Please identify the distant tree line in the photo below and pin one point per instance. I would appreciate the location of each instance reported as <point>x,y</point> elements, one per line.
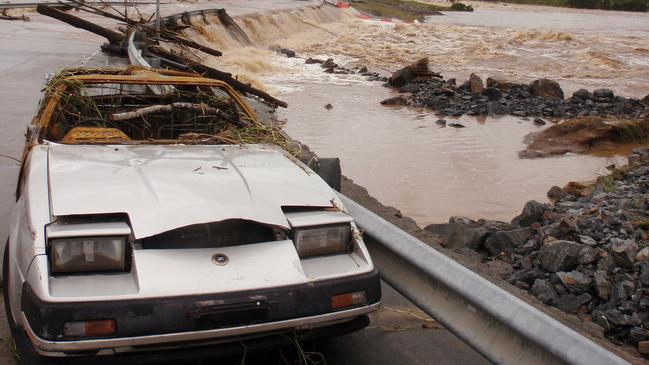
<point>630,5</point>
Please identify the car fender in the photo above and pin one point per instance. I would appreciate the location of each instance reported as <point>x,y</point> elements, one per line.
<point>28,219</point>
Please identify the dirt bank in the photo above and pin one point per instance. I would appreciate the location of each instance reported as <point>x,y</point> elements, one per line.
<point>406,10</point>
<point>587,135</point>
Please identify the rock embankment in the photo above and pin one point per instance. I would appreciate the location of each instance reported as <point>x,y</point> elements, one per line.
<point>586,254</point>
<point>542,98</point>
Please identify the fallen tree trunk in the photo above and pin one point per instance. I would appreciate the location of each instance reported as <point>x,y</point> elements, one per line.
<point>113,37</point>
<point>165,34</point>
<point>426,74</point>
<point>80,5</point>
<point>215,74</point>
<point>192,44</point>
<point>202,108</point>
<point>6,16</point>
<point>233,27</point>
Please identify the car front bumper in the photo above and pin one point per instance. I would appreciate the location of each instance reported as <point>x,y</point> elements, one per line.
<point>199,320</point>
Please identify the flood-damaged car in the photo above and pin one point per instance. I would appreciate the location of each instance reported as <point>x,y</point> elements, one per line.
<point>156,214</point>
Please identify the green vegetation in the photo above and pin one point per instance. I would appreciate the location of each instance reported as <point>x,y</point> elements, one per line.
<point>605,183</point>
<point>632,131</point>
<point>640,222</point>
<point>404,9</point>
<point>627,5</point>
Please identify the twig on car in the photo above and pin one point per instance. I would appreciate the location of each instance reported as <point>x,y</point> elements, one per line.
<point>4,14</point>
<point>10,157</point>
<point>202,108</point>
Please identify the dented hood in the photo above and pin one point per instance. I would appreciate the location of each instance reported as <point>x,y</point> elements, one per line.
<point>166,187</point>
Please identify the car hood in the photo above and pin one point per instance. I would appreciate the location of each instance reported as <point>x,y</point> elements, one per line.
<point>167,187</point>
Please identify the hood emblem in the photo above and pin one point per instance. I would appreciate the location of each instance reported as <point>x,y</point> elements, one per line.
<point>220,259</point>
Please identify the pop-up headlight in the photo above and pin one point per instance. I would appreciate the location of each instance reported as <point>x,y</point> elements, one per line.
<point>321,232</point>
<point>88,254</point>
<point>88,247</point>
<point>322,241</point>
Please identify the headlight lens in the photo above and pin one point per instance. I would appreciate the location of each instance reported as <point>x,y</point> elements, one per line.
<point>321,241</point>
<point>87,254</point>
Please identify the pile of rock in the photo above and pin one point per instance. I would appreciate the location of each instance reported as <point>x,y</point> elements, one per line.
<point>542,97</point>
<point>330,66</point>
<point>587,254</point>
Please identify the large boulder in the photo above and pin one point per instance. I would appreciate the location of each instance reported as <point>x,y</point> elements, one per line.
<point>397,100</point>
<point>544,291</point>
<point>583,94</point>
<point>475,83</point>
<point>287,52</point>
<point>557,194</point>
<point>639,334</point>
<point>571,303</point>
<point>623,251</point>
<point>532,213</point>
<point>506,241</point>
<point>618,318</point>
<point>575,281</point>
<point>579,189</point>
<point>559,255</point>
<point>621,291</point>
<point>400,78</point>
<point>603,94</point>
<point>410,88</point>
<point>503,85</point>
<point>457,235</point>
<point>588,255</point>
<point>602,284</point>
<point>645,100</point>
<point>407,74</point>
<point>643,254</point>
<point>492,93</point>
<point>329,63</point>
<point>547,89</point>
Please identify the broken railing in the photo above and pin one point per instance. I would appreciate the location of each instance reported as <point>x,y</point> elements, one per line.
<point>500,326</point>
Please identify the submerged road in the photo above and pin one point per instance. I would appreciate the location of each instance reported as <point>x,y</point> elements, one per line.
<point>398,334</point>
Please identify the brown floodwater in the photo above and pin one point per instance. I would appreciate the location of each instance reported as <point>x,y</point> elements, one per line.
<point>399,154</point>
<point>429,172</point>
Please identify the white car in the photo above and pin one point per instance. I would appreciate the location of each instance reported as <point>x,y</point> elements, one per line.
<point>138,228</point>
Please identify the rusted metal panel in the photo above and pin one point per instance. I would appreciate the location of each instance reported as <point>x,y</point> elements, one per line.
<point>135,76</point>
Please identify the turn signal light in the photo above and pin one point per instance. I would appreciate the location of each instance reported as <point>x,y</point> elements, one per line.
<point>98,328</point>
<point>348,299</point>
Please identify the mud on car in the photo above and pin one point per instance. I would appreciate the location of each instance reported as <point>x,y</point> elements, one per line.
<point>155,214</point>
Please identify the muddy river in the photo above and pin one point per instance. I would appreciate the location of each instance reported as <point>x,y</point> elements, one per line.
<point>400,154</point>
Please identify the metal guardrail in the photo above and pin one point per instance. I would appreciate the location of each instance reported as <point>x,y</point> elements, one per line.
<point>22,5</point>
<point>500,326</point>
